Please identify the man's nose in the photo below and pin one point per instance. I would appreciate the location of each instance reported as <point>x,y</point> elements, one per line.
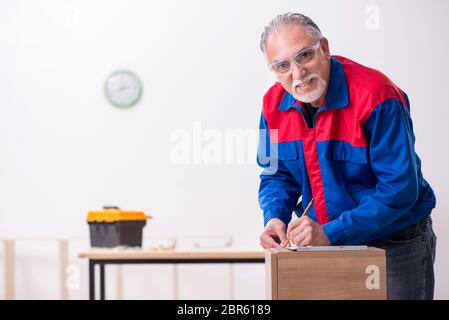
<point>297,71</point>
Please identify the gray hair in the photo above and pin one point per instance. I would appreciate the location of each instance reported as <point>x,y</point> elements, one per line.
<point>289,19</point>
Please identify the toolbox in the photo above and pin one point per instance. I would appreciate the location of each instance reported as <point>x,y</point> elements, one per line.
<point>112,227</point>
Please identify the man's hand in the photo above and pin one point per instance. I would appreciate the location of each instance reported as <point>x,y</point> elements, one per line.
<point>306,232</point>
<point>274,234</point>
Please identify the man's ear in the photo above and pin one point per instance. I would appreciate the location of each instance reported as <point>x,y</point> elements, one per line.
<point>325,48</point>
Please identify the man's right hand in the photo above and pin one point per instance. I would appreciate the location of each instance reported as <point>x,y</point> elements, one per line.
<point>274,234</point>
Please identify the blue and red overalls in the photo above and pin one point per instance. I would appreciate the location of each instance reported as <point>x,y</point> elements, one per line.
<point>358,162</point>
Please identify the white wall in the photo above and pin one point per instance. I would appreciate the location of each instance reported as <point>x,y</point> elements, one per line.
<point>65,150</point>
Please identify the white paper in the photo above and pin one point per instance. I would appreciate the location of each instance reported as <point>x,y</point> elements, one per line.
<point>327,248</point>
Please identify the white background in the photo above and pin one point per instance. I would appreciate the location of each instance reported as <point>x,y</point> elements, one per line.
<point>65,150</point>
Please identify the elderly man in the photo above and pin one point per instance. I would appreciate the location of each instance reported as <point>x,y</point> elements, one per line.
<point>340,135</point>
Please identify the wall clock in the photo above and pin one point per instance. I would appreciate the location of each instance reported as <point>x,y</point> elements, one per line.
<point>123,88</point>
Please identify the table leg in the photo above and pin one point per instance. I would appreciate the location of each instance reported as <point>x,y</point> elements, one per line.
<point>102,282</point>
<point>91,280</point>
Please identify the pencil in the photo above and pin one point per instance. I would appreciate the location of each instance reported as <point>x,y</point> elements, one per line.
<point>287,241</point>
<point>307,208</point>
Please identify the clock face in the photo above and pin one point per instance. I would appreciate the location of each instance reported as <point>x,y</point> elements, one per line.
<point>123,88</point>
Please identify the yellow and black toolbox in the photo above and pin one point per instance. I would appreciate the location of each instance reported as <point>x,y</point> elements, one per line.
<point>112,227</point>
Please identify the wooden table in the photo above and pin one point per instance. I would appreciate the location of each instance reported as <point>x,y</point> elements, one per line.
<point>103,257</point>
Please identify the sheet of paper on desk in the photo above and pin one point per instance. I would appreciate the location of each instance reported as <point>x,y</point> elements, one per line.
<point>327,248</point>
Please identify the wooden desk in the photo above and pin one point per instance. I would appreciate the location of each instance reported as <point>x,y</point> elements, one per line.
<point>103,257</point>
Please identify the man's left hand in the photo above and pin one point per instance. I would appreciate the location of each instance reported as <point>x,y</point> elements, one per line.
<point>306,232</point>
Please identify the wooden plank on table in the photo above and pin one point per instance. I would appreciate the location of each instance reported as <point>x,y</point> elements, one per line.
<point>329,274</point>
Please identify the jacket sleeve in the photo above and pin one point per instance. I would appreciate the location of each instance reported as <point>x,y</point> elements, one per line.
<point>392,157</point>
<point>278,190</point>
